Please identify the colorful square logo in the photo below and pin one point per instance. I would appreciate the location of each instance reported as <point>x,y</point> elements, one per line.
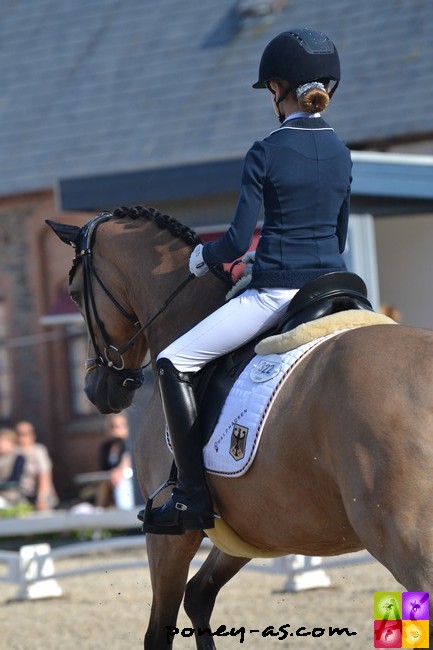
<point>401,620</point>
<point>387,634</point>
<point>415,605</point>
<point>387,606</point>
<point>415,634</point>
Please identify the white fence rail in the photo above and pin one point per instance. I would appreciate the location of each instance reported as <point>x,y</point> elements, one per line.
<point>33,570</point>
<point>32,566</point>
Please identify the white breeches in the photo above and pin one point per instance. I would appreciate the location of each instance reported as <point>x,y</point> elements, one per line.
<point>235,323</point>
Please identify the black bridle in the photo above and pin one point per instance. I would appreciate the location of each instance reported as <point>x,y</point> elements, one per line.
<point>112,356</point>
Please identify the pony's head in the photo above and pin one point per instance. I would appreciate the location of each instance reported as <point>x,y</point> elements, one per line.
<point>115,255</point>
<point>117,340</point>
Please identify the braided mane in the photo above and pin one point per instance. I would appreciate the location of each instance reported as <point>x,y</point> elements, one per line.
<point>163,221</point>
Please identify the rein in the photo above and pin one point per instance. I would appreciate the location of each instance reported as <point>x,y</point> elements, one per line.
<point>124,348</point>
<point>130,379</point>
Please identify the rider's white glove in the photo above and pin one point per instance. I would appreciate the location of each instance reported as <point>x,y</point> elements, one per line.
<point>197,265</point>
<point>249,257</point>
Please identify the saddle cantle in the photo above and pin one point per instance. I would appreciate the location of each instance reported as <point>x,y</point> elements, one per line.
<point>327,294</point>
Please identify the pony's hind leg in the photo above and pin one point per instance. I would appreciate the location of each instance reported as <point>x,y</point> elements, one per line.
<point>203,588</point>
<point>169,559</point>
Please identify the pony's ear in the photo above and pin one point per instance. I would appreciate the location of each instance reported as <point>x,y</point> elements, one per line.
<point>68,234</point>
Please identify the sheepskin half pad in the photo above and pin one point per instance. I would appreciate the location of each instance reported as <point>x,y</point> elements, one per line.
<point>315,329</point>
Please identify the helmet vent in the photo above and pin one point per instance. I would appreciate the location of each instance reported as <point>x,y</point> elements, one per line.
<point>313,42</point>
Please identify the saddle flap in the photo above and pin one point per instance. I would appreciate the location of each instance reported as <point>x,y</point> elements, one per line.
<point>214,382</point>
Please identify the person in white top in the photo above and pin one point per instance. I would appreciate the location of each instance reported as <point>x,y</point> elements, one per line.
<point>36,483</point>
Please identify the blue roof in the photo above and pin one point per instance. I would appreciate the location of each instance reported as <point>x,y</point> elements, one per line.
<point>116,85</point>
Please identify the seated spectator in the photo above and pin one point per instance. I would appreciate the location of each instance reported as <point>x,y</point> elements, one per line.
<point>115,458</point>
<point>36,482</point>
<point>11,468</point>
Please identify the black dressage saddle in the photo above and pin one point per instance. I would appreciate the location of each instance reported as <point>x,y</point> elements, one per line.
<point>327,294</point>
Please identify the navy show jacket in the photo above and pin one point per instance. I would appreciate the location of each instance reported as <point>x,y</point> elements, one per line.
<point>301,174</point>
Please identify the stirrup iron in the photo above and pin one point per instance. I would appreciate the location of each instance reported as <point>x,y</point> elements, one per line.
<point>145,514</point>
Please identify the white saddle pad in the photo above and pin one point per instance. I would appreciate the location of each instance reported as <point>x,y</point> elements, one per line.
<point>234,442</point>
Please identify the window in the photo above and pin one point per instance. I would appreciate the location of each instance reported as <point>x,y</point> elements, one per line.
<point>77,347</point>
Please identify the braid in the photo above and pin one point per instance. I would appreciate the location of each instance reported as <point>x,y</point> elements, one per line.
<point>163,221</point>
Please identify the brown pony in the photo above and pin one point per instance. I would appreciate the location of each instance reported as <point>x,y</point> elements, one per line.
<point>347,461</point>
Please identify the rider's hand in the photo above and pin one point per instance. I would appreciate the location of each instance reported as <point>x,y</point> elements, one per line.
<point>249,257</point>
<point>197,265</point>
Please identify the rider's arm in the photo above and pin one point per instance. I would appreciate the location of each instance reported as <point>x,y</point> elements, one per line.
<point>237,239</point>
<point>343,222</point>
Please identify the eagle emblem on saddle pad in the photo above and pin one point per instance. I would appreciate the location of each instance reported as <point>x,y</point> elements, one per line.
<point>238,441</point>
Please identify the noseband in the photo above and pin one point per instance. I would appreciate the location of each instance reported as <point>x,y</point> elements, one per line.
<point>111,357</point>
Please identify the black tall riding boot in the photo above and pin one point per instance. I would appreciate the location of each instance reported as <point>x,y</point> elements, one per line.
<point>190,505</point>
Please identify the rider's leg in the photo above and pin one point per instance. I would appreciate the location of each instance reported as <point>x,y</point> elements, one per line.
<point>190,504</point>
<point>229,327</point>
<point>236,322</point>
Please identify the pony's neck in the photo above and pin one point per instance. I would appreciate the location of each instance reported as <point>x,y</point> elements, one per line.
<point>197,300</point>
<point>161,252</point>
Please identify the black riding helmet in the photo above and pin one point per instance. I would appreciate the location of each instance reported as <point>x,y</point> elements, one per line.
<point>299,56</point>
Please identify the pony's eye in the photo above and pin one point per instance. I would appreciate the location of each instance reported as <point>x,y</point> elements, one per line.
<point>75,297</point>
